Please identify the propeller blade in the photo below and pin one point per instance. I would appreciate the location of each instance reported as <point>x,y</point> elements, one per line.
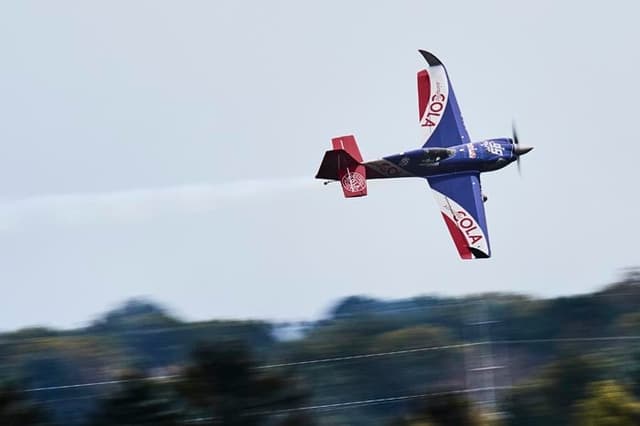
<point>517,148</point>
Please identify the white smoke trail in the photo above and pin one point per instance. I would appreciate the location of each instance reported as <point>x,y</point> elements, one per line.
<point>138,204</point>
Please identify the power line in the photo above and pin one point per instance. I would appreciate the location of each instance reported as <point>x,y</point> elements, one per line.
<point>369,355</point>
<point>356,357</point>
<point>566,340</point>
<point>268,366</point>
<point>376,401</point>
<point>101,383</point>
<point>358,403</point>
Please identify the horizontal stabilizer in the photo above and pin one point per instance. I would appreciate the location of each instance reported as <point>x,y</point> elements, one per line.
<point>332,162</point>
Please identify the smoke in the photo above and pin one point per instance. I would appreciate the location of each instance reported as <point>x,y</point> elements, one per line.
<point>139,204</point>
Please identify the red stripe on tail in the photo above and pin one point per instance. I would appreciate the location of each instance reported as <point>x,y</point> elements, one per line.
<point>347,143</point>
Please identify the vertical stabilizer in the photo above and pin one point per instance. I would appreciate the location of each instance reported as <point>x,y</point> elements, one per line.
<point>344,164</point>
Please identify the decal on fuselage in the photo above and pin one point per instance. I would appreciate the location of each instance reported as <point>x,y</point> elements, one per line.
<point>493,147</point>
<point>472,150</point>
<point>388,169</point>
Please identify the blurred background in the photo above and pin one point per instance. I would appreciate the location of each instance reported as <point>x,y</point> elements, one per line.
<point>167,258</point>
<point>490,359</point>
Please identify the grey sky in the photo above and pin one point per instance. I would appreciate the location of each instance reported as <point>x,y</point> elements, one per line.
<point>157,148</point>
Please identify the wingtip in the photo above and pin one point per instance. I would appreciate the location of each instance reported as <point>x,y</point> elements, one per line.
<point>478,254</point>
<point>431,59</point>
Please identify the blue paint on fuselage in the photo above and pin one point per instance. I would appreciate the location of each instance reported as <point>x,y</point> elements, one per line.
<point>489,155</point>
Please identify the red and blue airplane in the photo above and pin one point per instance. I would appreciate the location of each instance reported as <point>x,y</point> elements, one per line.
<point>448,160</point>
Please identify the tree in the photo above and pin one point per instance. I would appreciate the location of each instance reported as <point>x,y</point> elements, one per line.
<point>607,404</point>
<point>224,384</point>
<point>445,409</point>
<point>410,372</point>
<point>634,373</point>
<point>17,410</point>
<point>138,402</point>
<point>546,400</point>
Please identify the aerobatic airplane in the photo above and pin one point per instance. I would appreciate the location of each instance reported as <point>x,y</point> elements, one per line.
<point>448,160</point>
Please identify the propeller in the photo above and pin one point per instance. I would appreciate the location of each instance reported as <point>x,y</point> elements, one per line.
<point>517,149</point>
<point>516,145</point>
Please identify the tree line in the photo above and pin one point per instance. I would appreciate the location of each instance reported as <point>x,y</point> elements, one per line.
<point>563,361</point>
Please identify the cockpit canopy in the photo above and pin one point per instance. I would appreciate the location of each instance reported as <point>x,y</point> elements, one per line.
<point>435,155</point>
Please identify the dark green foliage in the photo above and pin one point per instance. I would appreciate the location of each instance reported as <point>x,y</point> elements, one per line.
<point>356,305</point>
<point>225,385</point>
<point>17,410</point>
<point>633,371</point>
<point>61,360</point>
<point>135,314</point>
<point>445,409</point>
<point>366,350</point>
<point>607,404</point>
<point>155,339</point>
<point>297,420</point>
<point>548,400</point>
<point>380,375</point>
<point>137,402</point>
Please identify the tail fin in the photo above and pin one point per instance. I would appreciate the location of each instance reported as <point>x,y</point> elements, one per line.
<point>344,163</point>
<point>348,143</point>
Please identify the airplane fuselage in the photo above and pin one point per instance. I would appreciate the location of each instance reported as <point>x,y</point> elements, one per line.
<point>484,156</point>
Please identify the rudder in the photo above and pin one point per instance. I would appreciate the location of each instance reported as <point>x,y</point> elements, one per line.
<point>348,143</point>
<point>344,163</point>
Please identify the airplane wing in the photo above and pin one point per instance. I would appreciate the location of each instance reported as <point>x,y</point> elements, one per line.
<point>460,200</point>
<point>439,112</point>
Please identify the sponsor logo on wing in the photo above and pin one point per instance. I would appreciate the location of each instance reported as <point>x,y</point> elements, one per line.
<point>438,100</point>
<point>464,221</point>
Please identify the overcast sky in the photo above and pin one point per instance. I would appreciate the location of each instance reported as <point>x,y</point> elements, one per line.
<point>167,149</point>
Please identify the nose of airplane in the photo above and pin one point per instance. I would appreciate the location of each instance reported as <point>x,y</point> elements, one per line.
<point>521,150</point>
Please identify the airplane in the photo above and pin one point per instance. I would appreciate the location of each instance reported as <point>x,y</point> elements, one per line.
<point>449,161</point>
